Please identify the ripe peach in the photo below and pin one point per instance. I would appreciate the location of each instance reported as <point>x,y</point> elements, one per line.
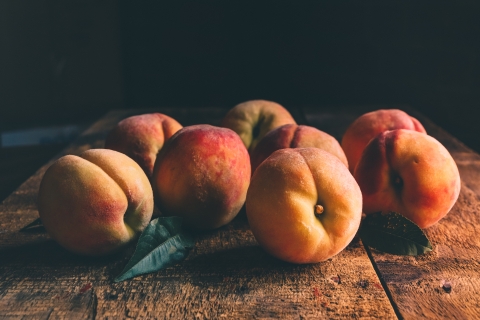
<point>95,203</point>
<point>202,175</point>
<point>141,137</point>
<point>295,136</point>
<point>410,173</point>
<point>369,125</point>
<point>303,205</point>
<point>253,119</point>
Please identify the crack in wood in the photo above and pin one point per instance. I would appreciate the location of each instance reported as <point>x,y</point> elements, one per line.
<point>383,283</point>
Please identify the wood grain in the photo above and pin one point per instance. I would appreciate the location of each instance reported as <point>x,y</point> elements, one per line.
<point>227,275</point>
<point>444,283</point>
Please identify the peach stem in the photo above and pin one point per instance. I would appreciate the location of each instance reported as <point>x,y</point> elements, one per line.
<point>318,209</point>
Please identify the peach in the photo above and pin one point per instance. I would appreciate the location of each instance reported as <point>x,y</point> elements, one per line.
<point>95,203</point>
<point>369,125</point>
<point>303,205</point>
<point>295,136</point>
<point>253,119</point>
<point>410,173</point>
<point>141,137</point>
<point>202,175</point>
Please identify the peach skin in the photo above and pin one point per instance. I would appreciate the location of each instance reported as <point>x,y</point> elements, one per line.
<point>410,173</point>
<point>202,175</point>
<point>95,203</point>
<point>253,119</point>
<point>369,125</point>
<point>303,205</point>
<point>295,136</point>
<point>141,137</point>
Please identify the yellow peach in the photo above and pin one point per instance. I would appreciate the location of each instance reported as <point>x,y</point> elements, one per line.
<point>95,203</point>
<point>253,119</point>
<point>410,173</point>
<point>303,205</point>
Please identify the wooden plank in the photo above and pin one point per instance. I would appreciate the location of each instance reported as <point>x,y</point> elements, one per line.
<point>227,275</point>
<point>444,283</point>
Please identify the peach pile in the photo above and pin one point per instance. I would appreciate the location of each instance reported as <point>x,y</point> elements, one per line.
<point>400,168</point>
<point>95,203</point>
<point>303,199</point>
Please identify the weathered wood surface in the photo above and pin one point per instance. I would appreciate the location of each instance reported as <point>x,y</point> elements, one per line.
<point>228,275</point>
<point>442,284</point>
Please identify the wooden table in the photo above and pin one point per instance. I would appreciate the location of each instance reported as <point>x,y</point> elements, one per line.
<point>227,275</point>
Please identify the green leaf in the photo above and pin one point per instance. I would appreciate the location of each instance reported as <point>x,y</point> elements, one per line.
<point>393,233</point>
<point>161,244</point>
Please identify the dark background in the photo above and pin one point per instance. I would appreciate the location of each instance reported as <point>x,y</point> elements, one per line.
<point>64,62</point>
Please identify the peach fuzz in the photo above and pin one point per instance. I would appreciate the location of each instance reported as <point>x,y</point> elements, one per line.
<point>141,137</point>
<point>369,125</point>
<point>202,175</point>
<point>95,203</point>
<point>253,119</point>
<point>295,136</point>
<point>303,205</point>
<point>410,173</point>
